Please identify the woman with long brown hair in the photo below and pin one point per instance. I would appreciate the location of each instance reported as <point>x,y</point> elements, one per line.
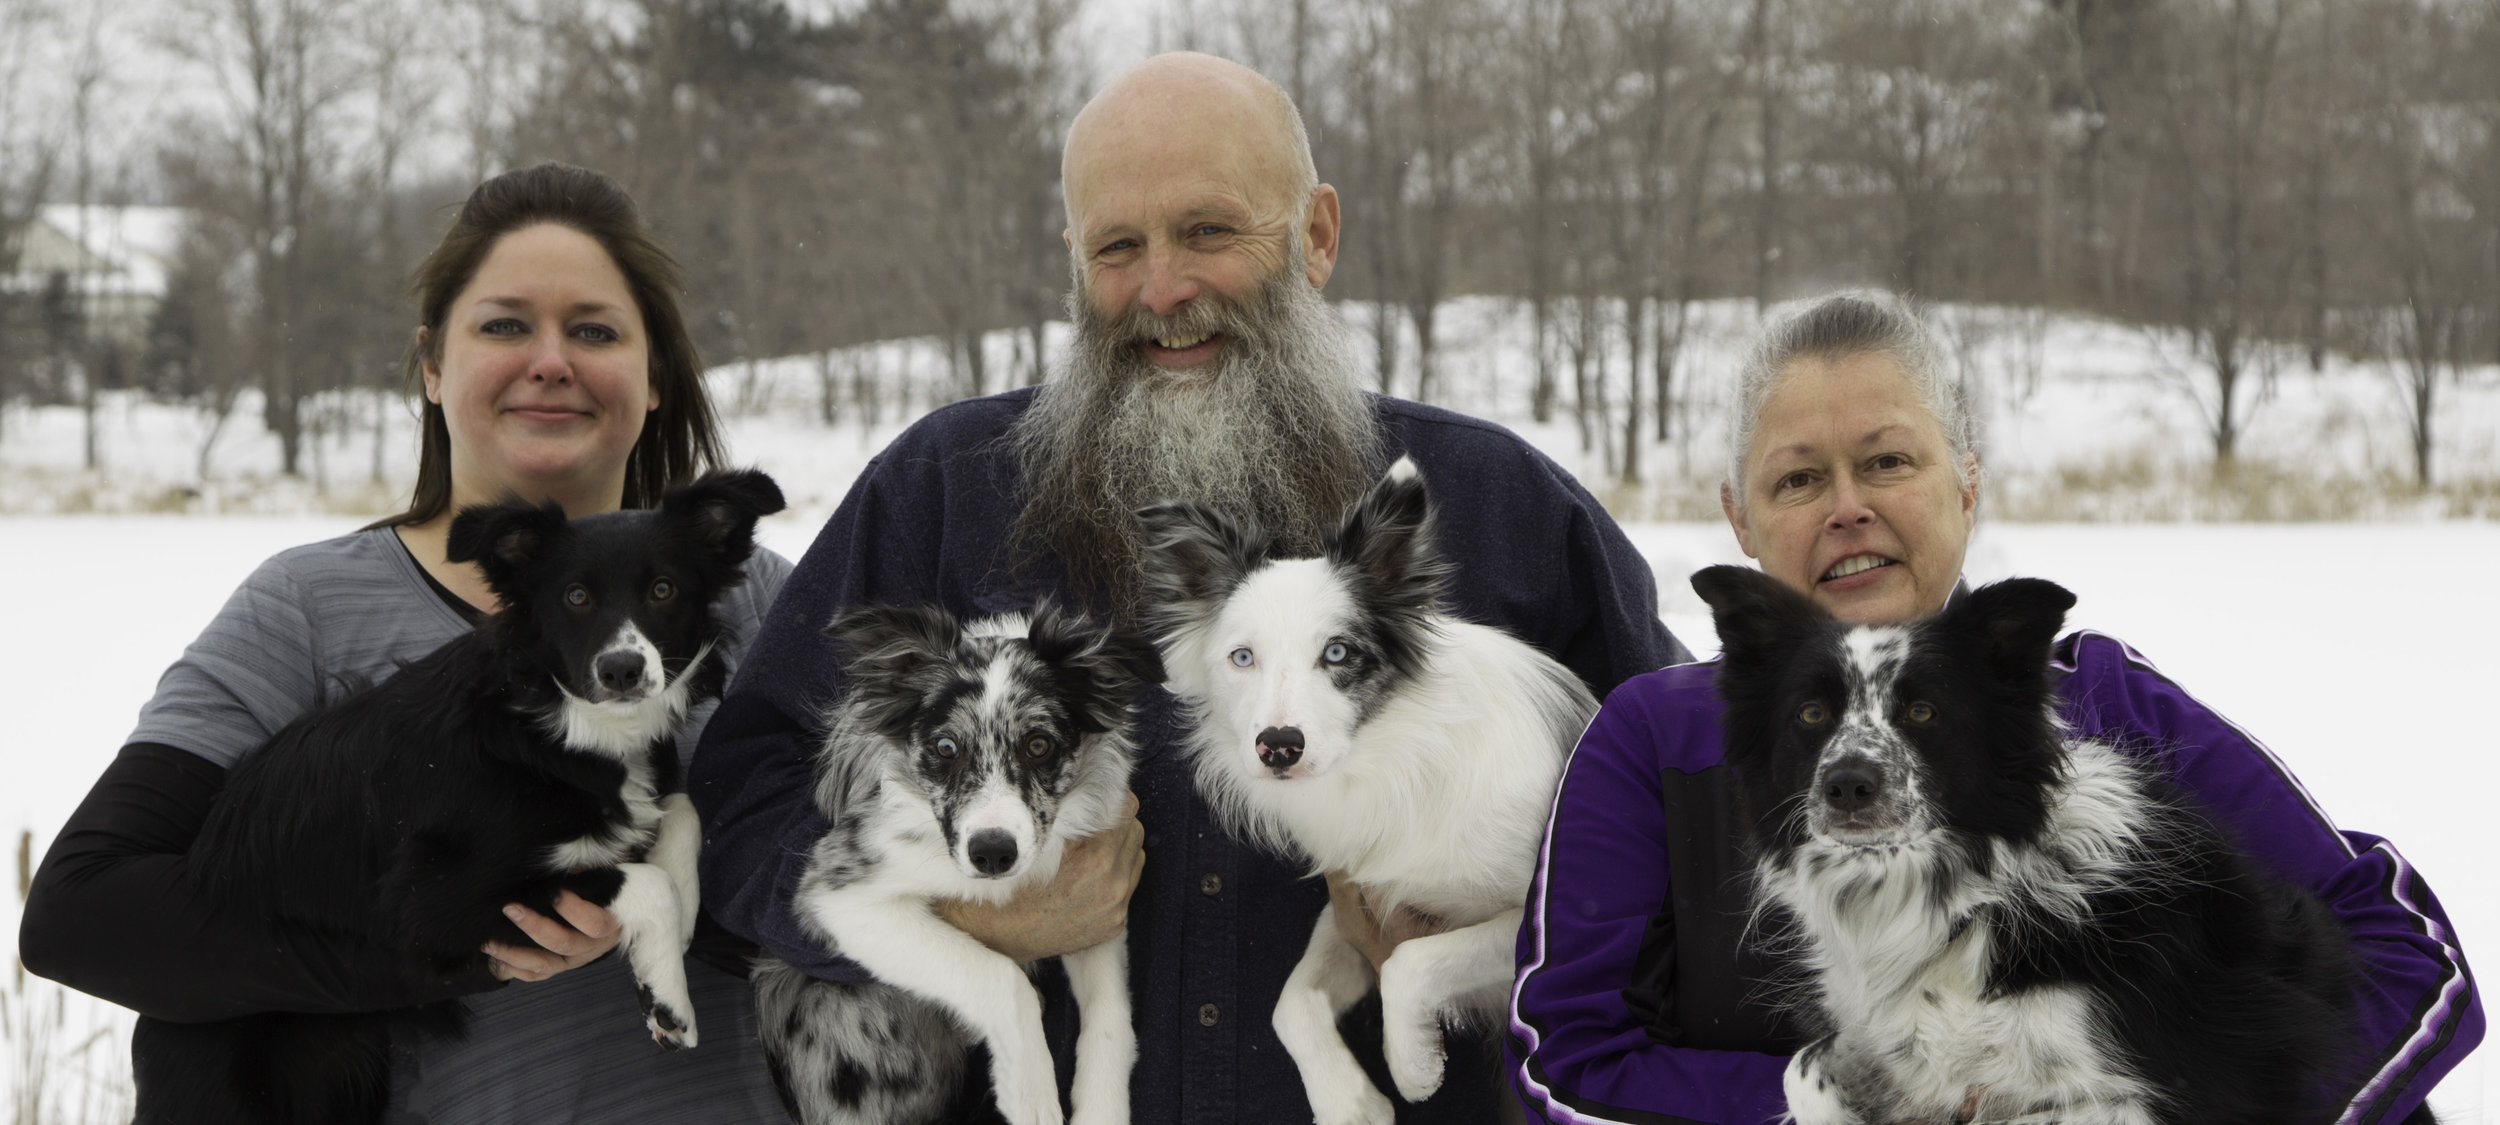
<point>554,365</point>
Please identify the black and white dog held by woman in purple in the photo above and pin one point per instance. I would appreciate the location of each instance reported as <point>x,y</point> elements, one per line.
<point>960,762</point>
<point>532,756</point>
<point>1990,921</point>
<point>1342,716</point>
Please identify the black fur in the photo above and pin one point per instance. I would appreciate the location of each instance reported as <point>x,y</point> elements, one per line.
<point>407,815</point>
<point>2224,989</point>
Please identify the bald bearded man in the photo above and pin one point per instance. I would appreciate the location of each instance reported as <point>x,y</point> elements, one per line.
<point>1205,366</point>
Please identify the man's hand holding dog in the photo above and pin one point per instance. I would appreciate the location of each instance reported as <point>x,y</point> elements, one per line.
<point>1084,906</point>
<point>1361,925</point>
<point>585,934</point>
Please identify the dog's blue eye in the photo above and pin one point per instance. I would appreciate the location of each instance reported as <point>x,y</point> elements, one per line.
<point>946,748</point>
<point>576,596</point>
<point>1334,654</point>
<point>1242,658</point>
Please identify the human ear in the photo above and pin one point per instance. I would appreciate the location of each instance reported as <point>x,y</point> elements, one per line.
<point>1736,519</point>
<point>428,370</point>
<point>1970,489</point>
<point>1319,230</point>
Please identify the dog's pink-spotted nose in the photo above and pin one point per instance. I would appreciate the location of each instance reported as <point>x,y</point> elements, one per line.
<point>1280,748</point>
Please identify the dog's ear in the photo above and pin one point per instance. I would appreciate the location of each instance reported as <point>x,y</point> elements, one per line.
<point>895,640</point>
<point>1757,618</point>
<point>2012,623</point>
<point>1387,543</point>
<point>1194,556</point>
<point>1100,668</point>
<point>719,510</point>
<point>891,647</point>
<point>502,539</point>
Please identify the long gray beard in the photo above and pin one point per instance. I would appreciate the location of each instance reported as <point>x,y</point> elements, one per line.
<point>1273,434</point>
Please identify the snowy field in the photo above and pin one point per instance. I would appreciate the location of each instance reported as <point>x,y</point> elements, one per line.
<point>2337,643</point>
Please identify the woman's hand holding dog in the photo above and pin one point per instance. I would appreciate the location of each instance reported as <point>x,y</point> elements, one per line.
<point>1084,906</point>
<point>586,933</point>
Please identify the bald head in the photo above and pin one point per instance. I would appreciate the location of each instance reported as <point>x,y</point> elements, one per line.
<point>1190,110</point>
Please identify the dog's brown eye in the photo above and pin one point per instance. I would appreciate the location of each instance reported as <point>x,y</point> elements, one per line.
<point>663,590</point>
<point>576,596</point>
<point>1037,747</point>
<point>1920,712</point>
<point>946,748</point>
<point>1813,714</point>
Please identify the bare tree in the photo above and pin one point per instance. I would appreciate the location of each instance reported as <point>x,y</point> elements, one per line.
<point>28,161</point>
<point>2416,141</point>
<point>282,69</point>
<point>2219,158</point>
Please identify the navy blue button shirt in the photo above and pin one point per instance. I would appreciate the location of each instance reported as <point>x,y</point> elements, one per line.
<point>930,521</point>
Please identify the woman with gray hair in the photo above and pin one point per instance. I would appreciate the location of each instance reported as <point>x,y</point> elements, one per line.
<point>1852,479</point>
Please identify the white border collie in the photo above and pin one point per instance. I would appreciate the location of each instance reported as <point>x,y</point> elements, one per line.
<point>533,755</point>
<point>1995,923</point>
<point>959,763</point>
<point>1342,717</point>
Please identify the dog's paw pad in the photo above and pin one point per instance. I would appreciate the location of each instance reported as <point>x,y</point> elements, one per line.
<point>671,1024</point>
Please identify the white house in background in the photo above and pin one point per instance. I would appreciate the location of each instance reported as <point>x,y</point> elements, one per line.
<point>115,258</point>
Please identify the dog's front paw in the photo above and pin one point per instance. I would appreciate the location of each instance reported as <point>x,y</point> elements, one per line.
<point>671,1022</point>
<point>1814,1096</point>
<point>1028,1095</point>
<point>1359,1104</point>
<point>1415,1056</point>
<point>1410,1029</point>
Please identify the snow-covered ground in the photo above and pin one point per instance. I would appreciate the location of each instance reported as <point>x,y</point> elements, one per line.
<point>2344,645</point>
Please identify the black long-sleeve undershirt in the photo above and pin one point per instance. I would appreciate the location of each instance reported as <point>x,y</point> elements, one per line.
<point>116,911</point>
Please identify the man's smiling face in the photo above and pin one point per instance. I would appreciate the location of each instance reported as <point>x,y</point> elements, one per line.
<point>1185,188</point>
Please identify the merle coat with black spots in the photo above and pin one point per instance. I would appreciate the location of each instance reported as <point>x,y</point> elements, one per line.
<point>1993,922</point>
<point>529,757</point>
<point>959,764</point>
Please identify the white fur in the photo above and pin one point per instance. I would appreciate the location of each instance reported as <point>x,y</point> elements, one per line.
<point>1435,801</point>
<point>622,728</point>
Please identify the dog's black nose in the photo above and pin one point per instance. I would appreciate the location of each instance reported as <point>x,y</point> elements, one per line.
<point>619,671</point>
<point>1280,747</point>
<point>1852,785</point>
<point>993,851</point>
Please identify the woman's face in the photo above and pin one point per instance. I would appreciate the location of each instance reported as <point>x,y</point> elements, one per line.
<point>544,374</point>
<point>1852,495</point>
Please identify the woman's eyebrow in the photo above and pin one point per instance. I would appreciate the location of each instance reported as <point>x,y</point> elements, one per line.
<point>578,309</point>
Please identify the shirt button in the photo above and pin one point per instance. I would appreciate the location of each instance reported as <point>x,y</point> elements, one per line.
<point>1210,885</point>
<point>1206,1015</point>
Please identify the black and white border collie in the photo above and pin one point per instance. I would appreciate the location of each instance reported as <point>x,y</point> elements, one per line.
<point>1340,715</point>
<point>1995,922</point>
<point>958,764</point>
<point>533,755</point>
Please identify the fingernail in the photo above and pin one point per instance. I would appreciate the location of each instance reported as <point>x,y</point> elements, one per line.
<point>512,912</point>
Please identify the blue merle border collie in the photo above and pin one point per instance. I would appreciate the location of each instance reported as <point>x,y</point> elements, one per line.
<point>1994,922</point>
<point>533,755</point>
<point>959,763</point>
<point>1342,716</point>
